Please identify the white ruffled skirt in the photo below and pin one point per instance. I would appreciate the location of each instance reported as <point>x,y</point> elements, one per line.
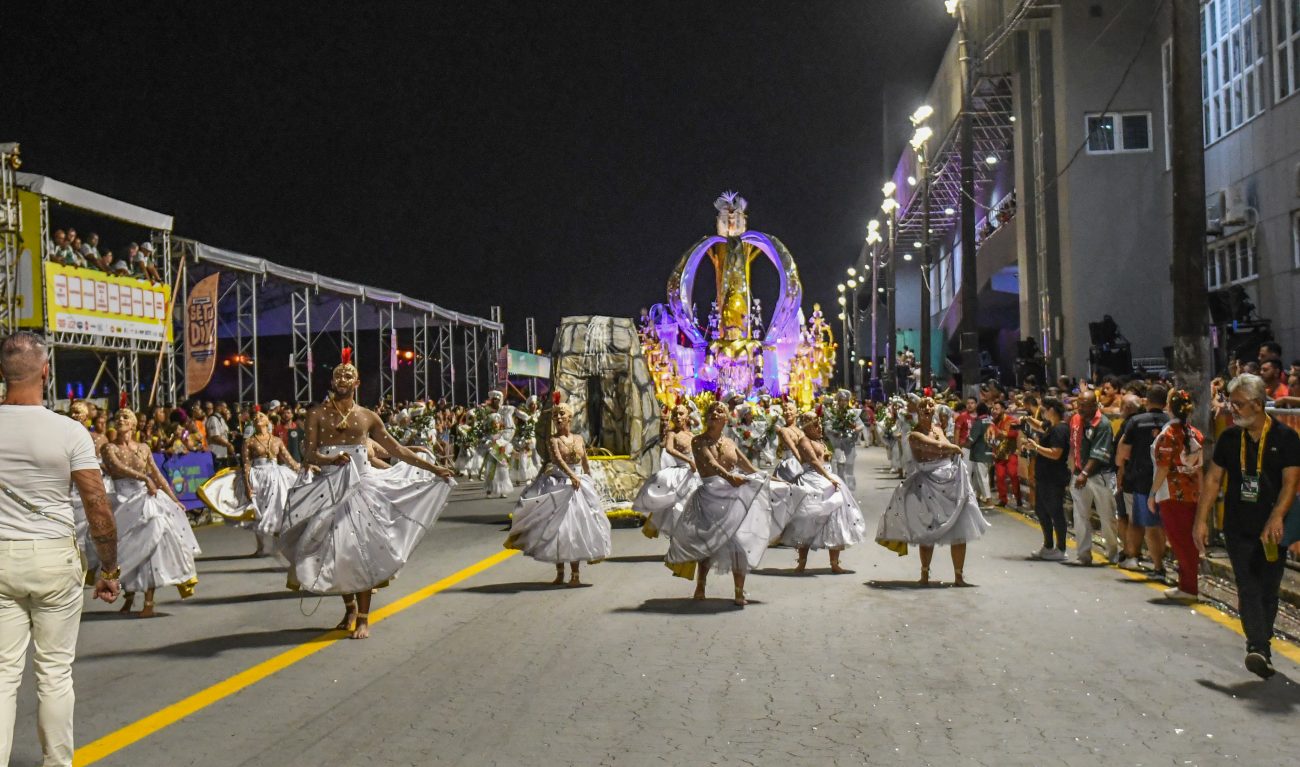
<point>155,545</point>
<point>729,527</point>
<point>497,482</point>
<point>934,506</point>
<point>828,518</point>
<point>273,482</point>
<point>525,463</point>
<point>353,528</point>
<point>663,495</point>
<point>553,522</point>
<point>84,541</point>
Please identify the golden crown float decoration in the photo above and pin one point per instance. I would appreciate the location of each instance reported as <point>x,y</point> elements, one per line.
<point>736,352</point>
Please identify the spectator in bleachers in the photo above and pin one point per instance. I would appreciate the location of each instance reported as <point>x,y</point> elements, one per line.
<point>145,266</point>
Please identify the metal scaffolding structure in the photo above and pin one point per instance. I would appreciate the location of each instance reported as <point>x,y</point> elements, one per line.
<point>530,340</point>
<point>420,345</point>
<point>993,130</point>
<point>272,300</point>
<point>491,347</point>
<point>446,363</point>
<point>9,225</point>
<point>473,394</point>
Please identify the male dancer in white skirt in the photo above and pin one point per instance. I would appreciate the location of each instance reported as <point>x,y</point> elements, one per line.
<point>349,532</point>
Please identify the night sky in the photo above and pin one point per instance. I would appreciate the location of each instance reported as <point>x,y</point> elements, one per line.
<point>532,155</point>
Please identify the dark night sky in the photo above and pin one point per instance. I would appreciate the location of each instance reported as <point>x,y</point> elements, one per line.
<point>532,155</point>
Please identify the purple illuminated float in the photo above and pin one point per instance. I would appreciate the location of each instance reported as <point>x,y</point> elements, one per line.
<point>735,353</point>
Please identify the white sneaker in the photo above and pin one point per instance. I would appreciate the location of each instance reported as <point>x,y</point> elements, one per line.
<point>1053,555</point>
<point>1040,553</point>
<point>1178,594</point>
<point>1130,564</point>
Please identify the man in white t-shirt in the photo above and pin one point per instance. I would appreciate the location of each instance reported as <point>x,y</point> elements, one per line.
<point>42,455</point>
<point>218,426</point>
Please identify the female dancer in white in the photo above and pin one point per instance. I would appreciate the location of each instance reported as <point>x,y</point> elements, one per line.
<point>524,463</point>
<point>788,436</point>
<point>269,471</point>
<point>663,496</point>
<point>497,482</point>
<point>558,517</point>
<point>155,544</point>
<point>728,522</point>
<point>828,517</point>
<point>935,505</point>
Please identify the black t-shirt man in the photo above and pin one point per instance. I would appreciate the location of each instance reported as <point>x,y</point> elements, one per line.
<point>293,440</point>
<point>1140,434</point>
<point>1049,471</point>
<point>1243,518</point>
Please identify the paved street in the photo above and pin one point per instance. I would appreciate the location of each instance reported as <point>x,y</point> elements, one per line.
<point>1039,665</point>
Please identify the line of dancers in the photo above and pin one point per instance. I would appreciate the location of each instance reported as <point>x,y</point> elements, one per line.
<point>346,520</point>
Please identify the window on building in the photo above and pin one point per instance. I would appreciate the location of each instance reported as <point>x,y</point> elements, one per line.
<point>1230,261</point>
<point>1233,49</point>
<point>1115,132</point>
<point>1286,48</point>
<point>1295,238</point>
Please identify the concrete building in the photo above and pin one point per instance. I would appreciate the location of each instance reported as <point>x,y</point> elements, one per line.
<point>1072,189</point>
<point>1250,53</point>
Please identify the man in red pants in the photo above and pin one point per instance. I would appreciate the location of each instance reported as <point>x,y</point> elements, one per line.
<point>1002,435</point>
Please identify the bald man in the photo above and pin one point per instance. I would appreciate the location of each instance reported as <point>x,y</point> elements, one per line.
<point>1092,451</point>
<point>42,455</point>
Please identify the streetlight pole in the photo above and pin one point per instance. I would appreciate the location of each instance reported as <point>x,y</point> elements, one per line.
<point>890,208</point>
<point>918,142</point>
<point>844,334</point>
<point>968,328</point>
<point>873,245</point>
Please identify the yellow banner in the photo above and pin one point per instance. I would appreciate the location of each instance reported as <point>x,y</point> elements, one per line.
<point>30,314</point>
<point>89,301</point>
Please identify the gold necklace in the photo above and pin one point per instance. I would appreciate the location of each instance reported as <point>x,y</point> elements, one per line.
<point>342,423</point>
<point>265,441</point>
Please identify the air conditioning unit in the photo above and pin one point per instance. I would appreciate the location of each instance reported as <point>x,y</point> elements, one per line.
<point>1235,207</point>
<point>1214,214</point>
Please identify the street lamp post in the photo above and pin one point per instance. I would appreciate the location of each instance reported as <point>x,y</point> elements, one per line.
<point>968,328</point>
<point>854,330</point>
<point>844,333</point>
<point>918,142</point>
<point>873,243</point>
<point>890,208</point>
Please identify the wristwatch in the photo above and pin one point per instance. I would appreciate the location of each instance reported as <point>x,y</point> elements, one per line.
<point>116,574</point>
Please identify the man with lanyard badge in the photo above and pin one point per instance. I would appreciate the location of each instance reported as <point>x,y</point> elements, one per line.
<point>1261,460</point>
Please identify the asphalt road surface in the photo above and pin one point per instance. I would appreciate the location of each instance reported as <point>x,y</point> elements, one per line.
<point>475,660</point>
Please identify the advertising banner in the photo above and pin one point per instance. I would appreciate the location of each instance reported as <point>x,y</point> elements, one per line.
<point>29,260</point>
<point>201,334</point>
<point>89,301</point>
<point>187,473</point>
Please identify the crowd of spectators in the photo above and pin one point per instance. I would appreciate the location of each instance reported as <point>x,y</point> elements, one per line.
<point>66,247</point>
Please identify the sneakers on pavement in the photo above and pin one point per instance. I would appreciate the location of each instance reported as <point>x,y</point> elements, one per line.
<point>1130,563</point>
<point>1178,594</point>
<point>1259,665</point>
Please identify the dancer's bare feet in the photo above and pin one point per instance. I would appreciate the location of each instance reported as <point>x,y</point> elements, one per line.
<point>838,569</point>
<point>362,631</point>
<point>349,615</point>
<point>148,611</point>
<point>801,565</point>
<point>740,598</point>
<point>574,580</point>
<point>925,576</point>
<point>127,602</point>
<point>699,592</point>
<point>960,581</point>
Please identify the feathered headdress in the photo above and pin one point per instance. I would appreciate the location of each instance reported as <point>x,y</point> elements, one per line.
<point>556,396</point>
<point>345,357</point>
<point>730,201</point>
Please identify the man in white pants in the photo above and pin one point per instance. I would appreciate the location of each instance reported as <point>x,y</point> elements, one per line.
<point>42,454</point>
<point>1092,452</point>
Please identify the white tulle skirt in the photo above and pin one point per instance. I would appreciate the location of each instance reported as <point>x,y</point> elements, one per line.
<point>663,495</point>
<point>84,541</point>
<point>273,482</point>
<point>828,518</point>
<point>470,461</point>
<point>934,506</point>
<point>788,470</point>
<point>497,482</point>
<point>155,545</point>
<point>729,527</point>
<point>553,522</point>
<point>354,528</point>
<point>525,463</point>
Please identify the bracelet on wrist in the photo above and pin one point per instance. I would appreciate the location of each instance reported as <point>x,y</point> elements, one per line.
<point>111,575</point>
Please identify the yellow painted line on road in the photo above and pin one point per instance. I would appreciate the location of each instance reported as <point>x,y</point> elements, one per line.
<point>1284,648</point>
<point>143,728</point>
